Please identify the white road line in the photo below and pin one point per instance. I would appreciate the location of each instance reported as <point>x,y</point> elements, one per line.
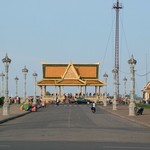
<point>69,119</point>
<point>4,145</point>
<point>126,147</point>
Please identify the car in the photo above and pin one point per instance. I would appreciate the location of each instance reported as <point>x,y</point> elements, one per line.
<point>82,101</point>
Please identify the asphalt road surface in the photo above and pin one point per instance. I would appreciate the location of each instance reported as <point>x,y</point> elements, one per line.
<point>73,127</point>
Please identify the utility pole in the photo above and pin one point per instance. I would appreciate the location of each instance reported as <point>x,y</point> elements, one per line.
<point>115,71</point>
<point>117,6</point>
<point>132,62</point>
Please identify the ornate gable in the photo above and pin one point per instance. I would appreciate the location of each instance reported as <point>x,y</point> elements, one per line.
<point>70,73</point>
<point>148,86</point>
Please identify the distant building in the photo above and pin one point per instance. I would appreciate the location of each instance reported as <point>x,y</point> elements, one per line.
<point>146,91</point>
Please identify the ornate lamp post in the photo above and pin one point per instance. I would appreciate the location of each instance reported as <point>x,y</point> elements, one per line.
<point>105,79</point>
<point>25,71</point>
<point>2,90</point>
<point>16,79</point>
<point>115,71</point>
<point>132,63</point>
<point>6,62</point>
<point>125,81</point>
<point>34,75</point>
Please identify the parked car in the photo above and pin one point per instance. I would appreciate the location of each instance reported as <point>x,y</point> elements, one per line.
<point>82,101</point>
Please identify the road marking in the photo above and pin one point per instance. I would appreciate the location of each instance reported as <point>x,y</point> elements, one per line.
<point>126,147</point>
<point>4,145</point>
<point>69,119</point>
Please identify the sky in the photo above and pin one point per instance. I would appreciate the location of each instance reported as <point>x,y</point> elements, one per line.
<point>77,31</point>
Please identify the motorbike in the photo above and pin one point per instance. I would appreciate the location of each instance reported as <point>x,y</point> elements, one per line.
<point>139,110</point>
<point>93,109</point>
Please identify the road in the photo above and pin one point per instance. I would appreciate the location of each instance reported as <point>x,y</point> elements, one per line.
<point>73,127</point>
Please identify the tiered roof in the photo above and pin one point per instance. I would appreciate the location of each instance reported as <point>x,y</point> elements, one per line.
<point>70,75</point>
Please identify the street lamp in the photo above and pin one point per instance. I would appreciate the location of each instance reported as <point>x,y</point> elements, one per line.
<point>105,79</point>
<point>115,71</point>
<point>16,79</point>
<point>34,75</point>
<point>25,71</point>
<point>132,63</point>
<point>6,62</point>
<point>125,81</point>
<point>2,90</point>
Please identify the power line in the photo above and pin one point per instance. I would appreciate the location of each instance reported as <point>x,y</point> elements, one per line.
<point>143,74</point>
<point>125,38</point>
<point>106,49</point>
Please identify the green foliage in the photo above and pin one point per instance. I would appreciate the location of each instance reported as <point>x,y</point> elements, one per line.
<point>1,100</point>
<point>47,93</point>
<point>143,105</point>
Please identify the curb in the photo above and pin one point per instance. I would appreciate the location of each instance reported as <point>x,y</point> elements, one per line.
<point>13,117</point>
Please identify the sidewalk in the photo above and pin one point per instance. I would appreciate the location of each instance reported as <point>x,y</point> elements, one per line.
<point>15,112</point>
<point>123,112</point>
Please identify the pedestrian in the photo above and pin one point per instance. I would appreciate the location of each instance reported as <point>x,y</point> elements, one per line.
<point>57,101</point>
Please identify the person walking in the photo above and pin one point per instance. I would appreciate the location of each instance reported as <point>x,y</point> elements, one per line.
<point>57,101</point>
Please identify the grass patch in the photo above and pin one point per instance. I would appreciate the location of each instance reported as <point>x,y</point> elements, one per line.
<point>143,105</point>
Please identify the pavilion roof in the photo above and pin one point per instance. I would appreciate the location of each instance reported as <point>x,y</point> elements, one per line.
<point>70,74</point>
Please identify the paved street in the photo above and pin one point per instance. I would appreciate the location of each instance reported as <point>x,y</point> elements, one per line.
<point>73,127</point>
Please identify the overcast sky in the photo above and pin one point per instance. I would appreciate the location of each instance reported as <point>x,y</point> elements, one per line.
<point>78,31</point>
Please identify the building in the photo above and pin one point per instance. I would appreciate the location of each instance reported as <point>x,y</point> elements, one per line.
<point>146,92</point>
<point>80,75</point>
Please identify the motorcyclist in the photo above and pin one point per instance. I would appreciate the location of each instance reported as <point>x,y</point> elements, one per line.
<point>93,108</point>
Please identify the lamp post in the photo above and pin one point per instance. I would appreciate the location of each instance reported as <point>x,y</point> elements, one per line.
<point>125,81</point>
<point>6,62</point>
<point>16,79</point>
<point>34,75</point>
<point>105,79</point>
<point>25,71</point>
<point>115,71</point>
<point>132,63</point>
<point>2,90</point>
